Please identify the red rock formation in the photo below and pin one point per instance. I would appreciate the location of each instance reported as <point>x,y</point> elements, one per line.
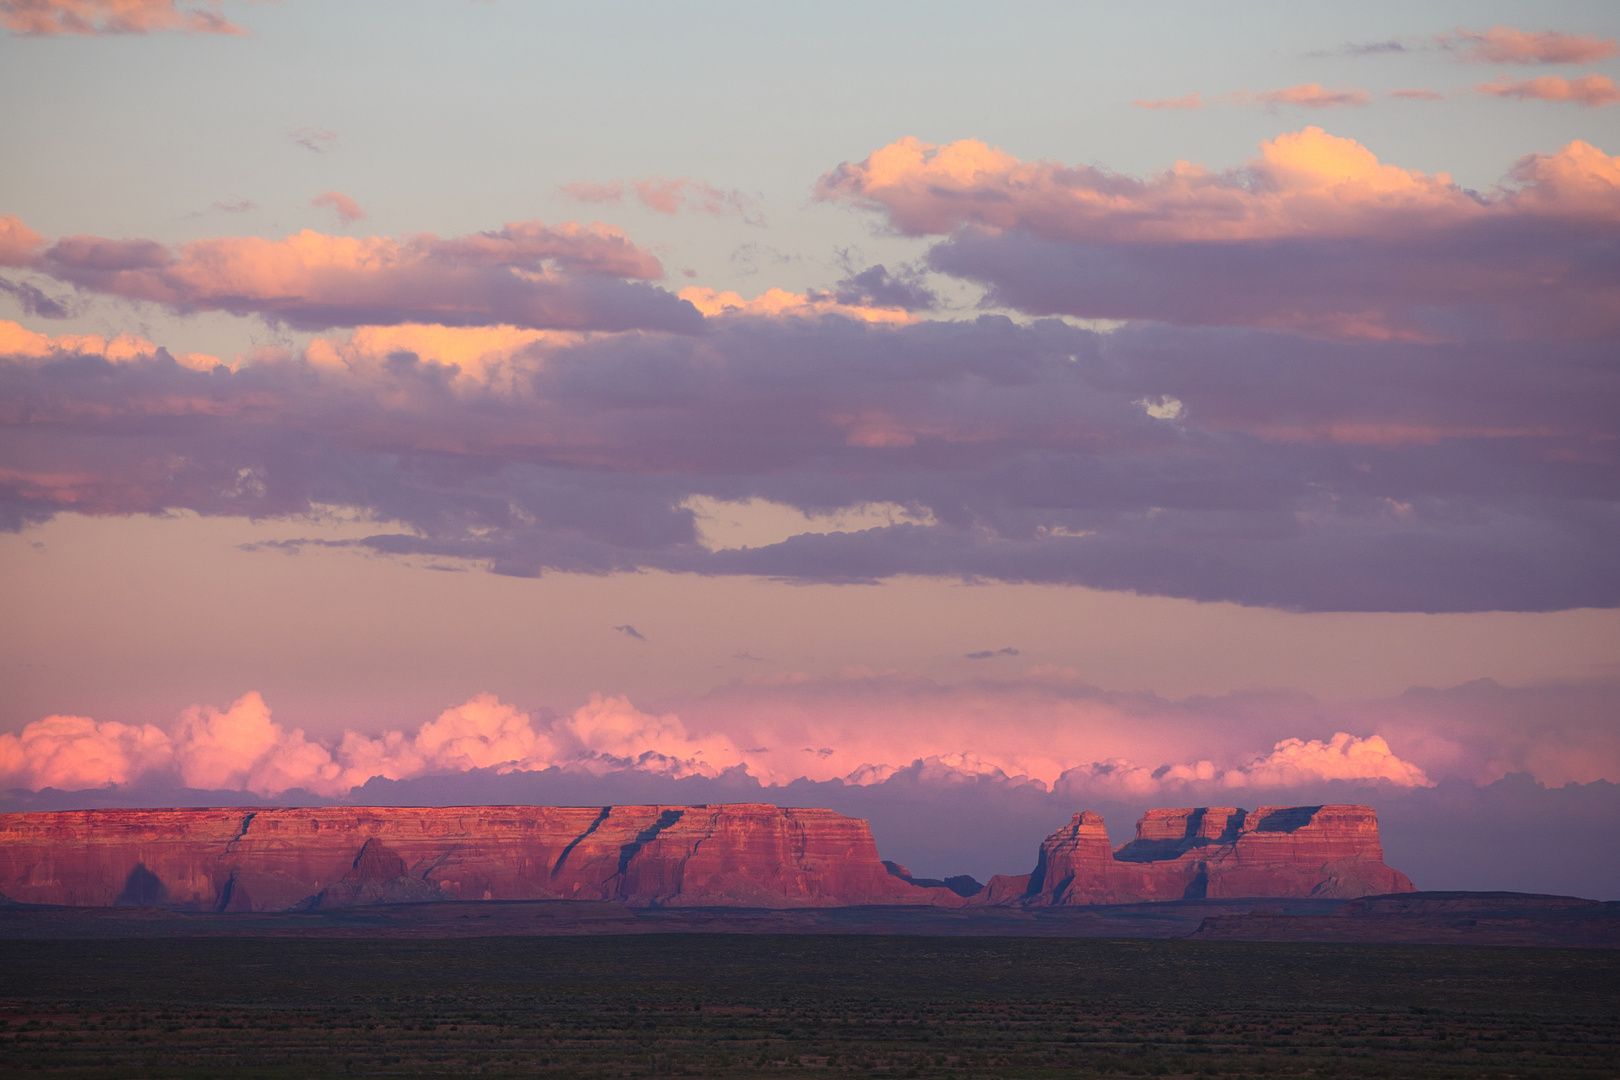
<point>279,859</point>
<point>1214,852</point>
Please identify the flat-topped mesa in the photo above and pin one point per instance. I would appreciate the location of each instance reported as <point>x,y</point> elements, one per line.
<point>739,855</point>
<point>1212,851</point>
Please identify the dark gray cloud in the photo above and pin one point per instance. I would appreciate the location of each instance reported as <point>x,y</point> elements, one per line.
<point>1214,464</point>
<point>631,632</point>
<point>876,287</point>
<point>990,653</point>
<point>36,301</point>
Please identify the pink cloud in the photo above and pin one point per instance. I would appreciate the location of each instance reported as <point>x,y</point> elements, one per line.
<point>1307,183</point>
<point>667,195</point>
<point>345,207</point>
<point>1305,96</point>
<point>526,274</point>
<point>243,748</point>
<point>75,752</point>
<point>1193,100</point>
<point>1505,45</point>
<point>1417,94</point>
<point>97,17</point>
<point>1588,90</point>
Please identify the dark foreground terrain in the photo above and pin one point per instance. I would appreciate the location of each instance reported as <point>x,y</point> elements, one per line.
<point>763,1005</point>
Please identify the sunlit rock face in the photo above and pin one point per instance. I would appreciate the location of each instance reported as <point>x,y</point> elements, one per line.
<point>739,855</point>
<point>1214,852</point>
<point>742,855</point>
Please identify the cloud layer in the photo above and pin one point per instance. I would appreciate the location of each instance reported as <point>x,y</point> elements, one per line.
<point>1316,235</point>
<point>1215,464</point>
<point>526,274</point>
<point>1086,744</point>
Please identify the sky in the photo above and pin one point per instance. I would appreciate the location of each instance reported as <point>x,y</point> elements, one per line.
<point>954,417</point>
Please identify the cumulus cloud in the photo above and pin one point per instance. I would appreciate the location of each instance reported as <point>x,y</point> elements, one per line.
<point>667,195</point>
<point>96,17</point>
<point>243,748</point>
<point>340,204</point>
<point>526,274</point>
<point>1506,45</point>
<point>1588,90</point>
<point>75,752</point>
<point>1316,235</point>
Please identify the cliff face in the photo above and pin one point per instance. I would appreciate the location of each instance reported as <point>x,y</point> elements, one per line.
<point>280,859</point>
<point>1215,852</point>
<point>741,855</point>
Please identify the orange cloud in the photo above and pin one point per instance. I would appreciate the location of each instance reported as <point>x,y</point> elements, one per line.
<point>96,17</point>
<point>17,341</point>
<point>1588,90</point>
<point>1505,45</point>
<point>1307,183</point>
<point>345,207</point>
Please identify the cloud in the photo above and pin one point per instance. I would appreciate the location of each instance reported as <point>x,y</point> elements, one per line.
<point>990,653</point>
<point>1588,90</point>
<point>1417,94</point>
<point>19,343</point>
<point>875,287</point>
<point>1305,96</point>
<point>1315,235</point>
<point>526,274</point>
<point>1193,100</point>
<point>75,752</point>
<point>46,18</point>
<point>236,206</point>
<point>665,195</point>
<point>345,208</point>
<point>242,748</point>
<point>35,301</point>
<point>317,139</point>
<point>630,632</point>
<point>777,303</point>
<point>1219,464</point>
<point>1505,45</point>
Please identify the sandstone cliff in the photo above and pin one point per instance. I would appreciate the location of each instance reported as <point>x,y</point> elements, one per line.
<point>1215,852</point>
<point>282,859</point>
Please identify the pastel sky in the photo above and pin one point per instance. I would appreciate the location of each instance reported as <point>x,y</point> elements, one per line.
<point>954,416</point>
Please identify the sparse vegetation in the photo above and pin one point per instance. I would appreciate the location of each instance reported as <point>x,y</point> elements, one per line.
<point>749,1006</point>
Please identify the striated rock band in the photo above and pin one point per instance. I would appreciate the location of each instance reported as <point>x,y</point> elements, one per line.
<point>735,855</point>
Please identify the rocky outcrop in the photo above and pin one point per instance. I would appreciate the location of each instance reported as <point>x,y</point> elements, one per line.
<point>288,859</point>
<point>740,855</point>
<point>1215,852</point>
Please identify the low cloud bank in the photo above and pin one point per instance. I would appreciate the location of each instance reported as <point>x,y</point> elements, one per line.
<point>1070,740</point>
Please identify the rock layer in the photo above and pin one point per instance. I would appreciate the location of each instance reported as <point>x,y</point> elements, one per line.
<point>283,859</point>
<point>1215,852</point>
<point>740,855</point>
